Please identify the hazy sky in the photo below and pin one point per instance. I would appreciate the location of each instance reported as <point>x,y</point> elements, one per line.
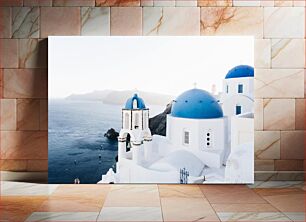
<point>167,65</point>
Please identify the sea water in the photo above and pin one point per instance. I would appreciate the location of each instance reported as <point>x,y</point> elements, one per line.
<point>76,142</point>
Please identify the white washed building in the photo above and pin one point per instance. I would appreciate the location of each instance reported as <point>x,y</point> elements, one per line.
<point>211,140</point>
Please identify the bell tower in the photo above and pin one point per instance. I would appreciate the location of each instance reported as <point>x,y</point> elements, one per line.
<point>135,136</point>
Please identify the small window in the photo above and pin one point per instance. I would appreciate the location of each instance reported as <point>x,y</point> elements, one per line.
<point>238,110</point>
<point>240,88</point>
<point>208,139</point>
<point>136,122</point>
<point>126,120</point>
<point>226,88</point>
<point>186,137</point>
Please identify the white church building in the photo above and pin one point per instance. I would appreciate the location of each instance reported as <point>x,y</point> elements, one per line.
<point>207,140</point>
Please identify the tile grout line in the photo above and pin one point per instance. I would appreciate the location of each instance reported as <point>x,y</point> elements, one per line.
<point>103,203</point>
<point>209,203</point>
<point>161,208</point>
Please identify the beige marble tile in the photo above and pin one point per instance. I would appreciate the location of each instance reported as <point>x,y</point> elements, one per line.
<point>8,114</point>
<point>5,22</point>
<point>126,21</point>
<point>246,3</point>
<point>23,144</point>
<point>1,83</point>
<point>262,53</point>
<point>133,196</point>
<point>253,216</point>
<point>37,165</point>
<point>232,21</point>
<point>51,17</point>
<point>289,165</point>
<point>13,165</point>
<point>18,208</point>
<point>8,53</point>
<point>187,191</point>
<point>5,3</point>
<point>300,114</point>
<point>28,114</point>
<point>279,176</point>
<point>146,2</point>
<point>279,114</point>
<point>284,50</point>
<point>163,3</point>
<point>73,2</point>
<point>71,204</point>
<point>32,53</point>
<point>43,114</point>
<point>261,165</point>
<point>187,209</point>
<point>25,83</point>
<point>25,22</point>
<point>299,3</point>
<point>10,188</point>
<point>130,214</point>
<point>284,22</point>
<point>267,3</point>
<point>267,145</point>
<point>286,200</point>
<point>63,216</point>
<point>277,184</point>
<point>279,3</point>
<point>304,83</point>
<point>171,21</point>
<point>206,3</point>
<point>263,207</point>
<point>230,194</point>
<point>292,144</point>
<point>37,2</point>
<point>273,83</point>
<point>186,3</point>
<point>295,216</point>
<point>258,114</point>
<point>95,21</point>
<point>123,3</point>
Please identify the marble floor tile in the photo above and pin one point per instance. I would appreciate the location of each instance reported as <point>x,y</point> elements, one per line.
<point>133,196</point>
<point>266,192</point>
<point>277,184</point>
<point>190,191</point>
<point>231,194</point>
<point>295,216</point>
<point>267,216</point>
<point>14,208</point>
<point>286,199</point>
<point>130,214</point>
<point>26,189</point>
<point>187,209</point>
<point>263,207</point>
<point>71,204</point>
<point>63,216</point>
<point>91,191</point>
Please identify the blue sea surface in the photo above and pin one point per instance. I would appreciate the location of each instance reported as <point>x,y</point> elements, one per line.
<point>77,146</point>
<point>76,142</point>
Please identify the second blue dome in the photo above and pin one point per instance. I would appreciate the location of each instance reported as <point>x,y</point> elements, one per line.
<point>240,72</point>
<point>196,104</point>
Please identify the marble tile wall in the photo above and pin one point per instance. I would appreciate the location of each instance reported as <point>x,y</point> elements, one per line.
<point>278,27</point>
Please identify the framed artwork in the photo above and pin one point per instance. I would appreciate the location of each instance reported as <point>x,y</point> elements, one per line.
<point>151,109</point>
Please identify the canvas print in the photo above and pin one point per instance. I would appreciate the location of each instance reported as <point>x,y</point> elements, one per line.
<point>151,110</point>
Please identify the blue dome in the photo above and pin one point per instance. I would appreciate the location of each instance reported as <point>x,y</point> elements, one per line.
<point>139,101</point>
<point>240,72</point>
<point>196,104</point>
